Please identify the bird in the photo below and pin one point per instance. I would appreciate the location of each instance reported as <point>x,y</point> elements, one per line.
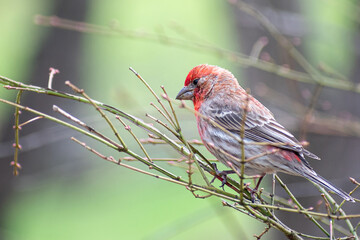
<point>225,112</point>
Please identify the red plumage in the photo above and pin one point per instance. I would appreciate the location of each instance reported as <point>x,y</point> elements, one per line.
<point>217,95</point>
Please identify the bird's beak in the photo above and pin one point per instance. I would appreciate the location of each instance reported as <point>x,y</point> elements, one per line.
<point>186,93</point>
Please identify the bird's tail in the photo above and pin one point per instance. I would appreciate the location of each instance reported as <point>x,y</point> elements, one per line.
<point>312,176</point>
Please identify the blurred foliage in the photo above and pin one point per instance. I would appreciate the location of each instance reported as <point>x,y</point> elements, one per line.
<point>332,32</point>
<point>108,203</point>
<point>109,58</point>
<point>19,42</point>
<point>100,200</point>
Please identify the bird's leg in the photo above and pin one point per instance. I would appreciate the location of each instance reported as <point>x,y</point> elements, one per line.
<point>221,174</point>
<point>217,172</point>
<point>254,191</point>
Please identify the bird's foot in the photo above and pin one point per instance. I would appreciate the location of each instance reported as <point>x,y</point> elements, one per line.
<point>253,194</point>
<point>222,174</point>
<point>252,191</point>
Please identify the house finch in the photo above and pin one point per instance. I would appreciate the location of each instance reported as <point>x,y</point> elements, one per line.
<point>222,104</point>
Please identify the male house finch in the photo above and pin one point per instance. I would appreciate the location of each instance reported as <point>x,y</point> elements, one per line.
<point>217,96</point>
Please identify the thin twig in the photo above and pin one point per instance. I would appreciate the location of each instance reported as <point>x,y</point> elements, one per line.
<point>163,114</point>
<point>30,121</point>
<point>128,128</point>
<point>165,96</point>
<point>15,164</point>
<point>53,71</point>
<point>275,150</point>
<point>130,159</point>
<point>162,124</point>
<point>350,193</point>
<point>167,116</point>
<point>156,141</point>
<point>82,92</point>
<point>59,122</point>
<point>298,204</point>
<point>236,57</point>
<point>309,111</point>
<point>258,47</point>
<point>344,216</point>
<point>272,195</point>
<point>304,211</point>
<point>90,129</point>
<point>111,159</point>
<point>283,41</point>
<point>258,237</point>
<point>242,137</point>
<point>118,147</point>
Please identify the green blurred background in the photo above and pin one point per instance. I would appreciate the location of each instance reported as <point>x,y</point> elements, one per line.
<point>64,192</point>
<point>99,200</point>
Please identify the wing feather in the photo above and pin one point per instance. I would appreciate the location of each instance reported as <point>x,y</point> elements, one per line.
<point>258,127</point>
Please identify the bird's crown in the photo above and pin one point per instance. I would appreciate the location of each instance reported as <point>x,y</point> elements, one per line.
<point>199,72</point>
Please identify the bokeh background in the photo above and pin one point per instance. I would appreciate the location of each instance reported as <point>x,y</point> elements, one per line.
<point>64,192</point>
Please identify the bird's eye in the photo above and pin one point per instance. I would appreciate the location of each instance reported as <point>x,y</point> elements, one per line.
<point>195,81</point>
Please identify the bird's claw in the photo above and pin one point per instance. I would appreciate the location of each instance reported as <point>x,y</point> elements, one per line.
<point>222,174</point>
<point>252,191</point>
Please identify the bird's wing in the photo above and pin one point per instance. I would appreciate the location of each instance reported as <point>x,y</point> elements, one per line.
<point>260,126</point>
